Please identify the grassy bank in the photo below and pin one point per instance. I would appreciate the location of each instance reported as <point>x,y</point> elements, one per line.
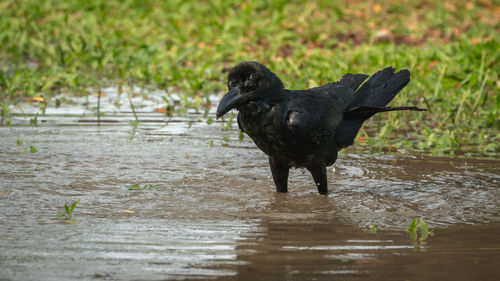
<point>451,48</point>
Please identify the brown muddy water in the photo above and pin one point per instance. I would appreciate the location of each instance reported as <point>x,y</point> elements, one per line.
<point>210,211</point>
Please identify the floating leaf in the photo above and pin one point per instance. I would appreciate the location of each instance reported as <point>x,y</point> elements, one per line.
<point>33,149</point>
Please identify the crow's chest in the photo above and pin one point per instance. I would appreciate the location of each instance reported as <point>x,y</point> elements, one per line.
<point>262,127</point>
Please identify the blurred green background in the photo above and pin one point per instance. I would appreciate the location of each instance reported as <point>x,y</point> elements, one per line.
<point>186,47</point>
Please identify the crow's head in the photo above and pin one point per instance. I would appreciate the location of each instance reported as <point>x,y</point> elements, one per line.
<point>248,82</point>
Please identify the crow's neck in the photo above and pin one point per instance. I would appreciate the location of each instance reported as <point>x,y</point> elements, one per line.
<point>273,97</point>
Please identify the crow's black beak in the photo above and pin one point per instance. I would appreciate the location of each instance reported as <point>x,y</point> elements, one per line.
<point>231,100</point>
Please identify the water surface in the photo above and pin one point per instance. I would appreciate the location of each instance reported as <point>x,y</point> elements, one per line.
<point>210,211</point>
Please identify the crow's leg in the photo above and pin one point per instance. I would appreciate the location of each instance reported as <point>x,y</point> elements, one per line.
<point>317,167</point>
<point>280,169</point>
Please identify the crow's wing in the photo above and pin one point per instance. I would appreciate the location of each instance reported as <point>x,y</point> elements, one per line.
<point>349,80</point>
<point>316,113</point>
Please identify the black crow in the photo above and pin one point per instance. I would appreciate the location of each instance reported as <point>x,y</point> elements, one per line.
<point>306,128</point>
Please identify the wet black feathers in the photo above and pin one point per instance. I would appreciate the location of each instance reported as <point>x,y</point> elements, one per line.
<point>381,88</point>
<point>371,98</point>
<point>306,128</point>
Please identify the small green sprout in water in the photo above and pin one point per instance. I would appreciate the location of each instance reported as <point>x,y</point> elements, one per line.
<point>129,93</point>
<point>169,108</point>
<point>4,113</point>
<point>33,149</point>
<point>241,136</point>
<point>19,142</point>
<point>138,186</point>
<point>413,225</point>
<point>68,210</point>
<point>211,143</point>
<point>34,120</point>
<point>424,234</point>
<point>210,121</point>
<point>372,229</point>
<point>424,231</point>
<point>229,123</point>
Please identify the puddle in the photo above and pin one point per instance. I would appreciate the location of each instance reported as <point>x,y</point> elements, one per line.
<point>210,211</point>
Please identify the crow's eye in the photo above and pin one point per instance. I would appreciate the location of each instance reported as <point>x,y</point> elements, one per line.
<point>249,84</point>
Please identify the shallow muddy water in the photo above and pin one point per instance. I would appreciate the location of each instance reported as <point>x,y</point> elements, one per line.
<point>210,211</point>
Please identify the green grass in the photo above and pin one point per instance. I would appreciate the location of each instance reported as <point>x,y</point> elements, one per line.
<point>451,48</point>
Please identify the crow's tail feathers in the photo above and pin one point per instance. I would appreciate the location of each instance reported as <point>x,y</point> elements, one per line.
<point>365,112</point>
<point>371,98</point>
<point>381,88</point>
